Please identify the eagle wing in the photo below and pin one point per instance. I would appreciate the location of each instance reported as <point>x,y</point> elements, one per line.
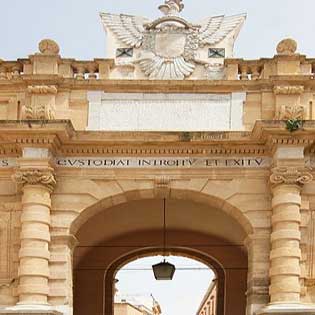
<point>216,28</point>
<point>129,29</point>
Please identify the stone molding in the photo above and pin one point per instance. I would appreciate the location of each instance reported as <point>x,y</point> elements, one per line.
<point>69,240</point>
<point>290,175</point>
<point>289,90</point>
<point>162,182</point>
<point>162,186</point>
<point>44,177</point>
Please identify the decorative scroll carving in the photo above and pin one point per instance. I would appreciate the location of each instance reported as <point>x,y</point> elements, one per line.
<point>289,90</point>
<point>48,47</point>
<point>292,112</point>
<point>36,177</point>
<point>290,175</point>
<point>42,89</point>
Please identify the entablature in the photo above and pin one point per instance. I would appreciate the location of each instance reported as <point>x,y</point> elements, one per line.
<point>61,138</point>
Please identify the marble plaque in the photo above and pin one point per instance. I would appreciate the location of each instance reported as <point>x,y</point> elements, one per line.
<point>165,112</point>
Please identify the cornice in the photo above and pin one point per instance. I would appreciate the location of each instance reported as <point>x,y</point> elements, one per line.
<point>188,86</point>
<point>61,138</point>
<point>163,150</point>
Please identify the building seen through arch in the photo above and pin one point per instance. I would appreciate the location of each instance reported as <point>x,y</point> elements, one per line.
<point>91,149</point>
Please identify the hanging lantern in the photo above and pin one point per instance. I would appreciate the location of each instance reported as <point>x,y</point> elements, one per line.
<point>164,270</point>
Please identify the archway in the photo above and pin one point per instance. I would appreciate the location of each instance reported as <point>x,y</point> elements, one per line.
<point>132,229</point>
<point>183,252</point>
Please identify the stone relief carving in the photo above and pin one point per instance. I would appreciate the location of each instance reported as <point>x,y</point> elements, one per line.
<point>41,112</point>
<point>36,177</point>
<point>40,108</point>
<point>48,47</point>
<point>169,44</point>
<point>292,112</point>
<point>290,175</point>
<point>287,46</point>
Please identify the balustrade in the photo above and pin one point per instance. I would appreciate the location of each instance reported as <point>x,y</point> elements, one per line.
<point>238,69</point>
<point>10,70</point>
<point>85,70</point>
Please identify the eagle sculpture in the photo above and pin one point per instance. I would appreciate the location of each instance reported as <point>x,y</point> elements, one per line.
<point>170,48</point>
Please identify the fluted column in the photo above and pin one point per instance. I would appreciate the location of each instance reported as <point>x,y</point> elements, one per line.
<point>37,185</point>
<point>287,182</point>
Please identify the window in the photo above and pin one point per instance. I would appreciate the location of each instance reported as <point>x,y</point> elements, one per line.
<point>216,53</point>
<point>124,52</point>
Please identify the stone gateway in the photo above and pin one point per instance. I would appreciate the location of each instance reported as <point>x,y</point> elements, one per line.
<point>90,150</point>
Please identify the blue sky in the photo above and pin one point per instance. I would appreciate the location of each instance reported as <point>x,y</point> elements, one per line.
<point>75,24</point>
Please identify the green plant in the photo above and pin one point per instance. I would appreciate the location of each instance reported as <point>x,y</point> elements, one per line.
<point>294,124</point>
<point>186,136</point>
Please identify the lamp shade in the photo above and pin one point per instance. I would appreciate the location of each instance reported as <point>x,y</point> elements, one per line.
<point>163,271</point>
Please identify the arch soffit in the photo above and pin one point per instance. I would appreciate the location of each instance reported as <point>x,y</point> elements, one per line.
<point>132,194</point>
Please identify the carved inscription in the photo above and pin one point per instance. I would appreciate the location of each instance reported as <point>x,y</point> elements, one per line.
<point>7,163</point>
<point>163,162</point>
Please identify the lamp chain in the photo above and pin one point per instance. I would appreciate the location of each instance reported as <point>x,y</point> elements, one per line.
<point>164,228</point>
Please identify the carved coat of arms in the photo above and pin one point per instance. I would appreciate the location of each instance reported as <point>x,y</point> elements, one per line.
<point>169,48</point>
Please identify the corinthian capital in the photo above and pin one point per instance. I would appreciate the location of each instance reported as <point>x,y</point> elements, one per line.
<point>290,175</point>
<point>43,177</point>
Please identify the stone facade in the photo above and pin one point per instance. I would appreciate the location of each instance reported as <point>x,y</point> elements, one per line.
<point>209,301</point>
<point>242,199</point>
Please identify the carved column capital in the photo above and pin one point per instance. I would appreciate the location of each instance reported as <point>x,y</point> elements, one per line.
<point>44,177</point>
<point>290,175</point>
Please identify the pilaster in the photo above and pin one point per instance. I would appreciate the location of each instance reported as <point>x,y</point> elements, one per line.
<point>61,269</point>
<point>258,247</point>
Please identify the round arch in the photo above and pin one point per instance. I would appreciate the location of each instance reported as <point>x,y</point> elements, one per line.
<point>111,272</point>
<point>173,194</point>
<point>210,205</point>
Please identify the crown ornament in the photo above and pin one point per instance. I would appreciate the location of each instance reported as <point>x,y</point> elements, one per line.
<point>172,7</point>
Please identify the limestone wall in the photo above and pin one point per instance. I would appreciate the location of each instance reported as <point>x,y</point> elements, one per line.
<point>65,84</point>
